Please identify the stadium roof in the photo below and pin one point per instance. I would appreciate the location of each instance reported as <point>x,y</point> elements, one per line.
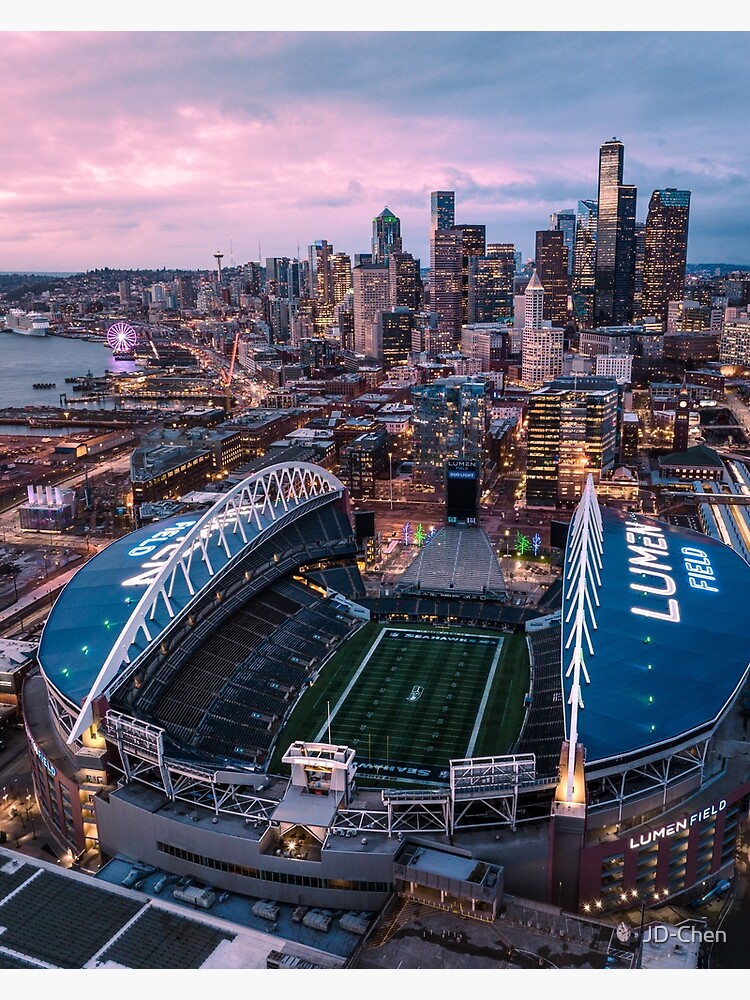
<point>670,643</point>
<point>92,609</point>
<point>121,601</point>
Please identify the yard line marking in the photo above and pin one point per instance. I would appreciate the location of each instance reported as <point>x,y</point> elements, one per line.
<point>485,696</point>
<point>323,730</point>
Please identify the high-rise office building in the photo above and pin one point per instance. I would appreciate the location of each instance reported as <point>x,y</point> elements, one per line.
<point>284,278</point>
<point>446,279</point>
<point>473,247</point>
<point>371,295</point>
<point>450,420</point>
<point>665,252</point>
<point>542,343</point>
<point>321,271</point>
<point>491,284</point>
<point>551,262</point>
<point>584,262</point>
<point>405,281</point>
<point>386,236</point>
<point>445,261</point>
<point>442,210</point>
<point>572,432</point>
<point>321,285</point>
<point>391,336</point>
<point>565,222</point>
<point>341,267</point>
<point>615,240</point>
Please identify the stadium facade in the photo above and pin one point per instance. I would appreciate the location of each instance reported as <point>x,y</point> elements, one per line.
<point>171,662</point>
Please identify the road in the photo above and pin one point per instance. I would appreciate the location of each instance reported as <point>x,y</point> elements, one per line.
<point>10,524</point>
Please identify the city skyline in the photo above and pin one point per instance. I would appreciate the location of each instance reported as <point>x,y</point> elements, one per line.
<point>260,143</point>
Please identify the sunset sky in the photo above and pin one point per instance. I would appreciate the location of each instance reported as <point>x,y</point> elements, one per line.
<point>154,149</point>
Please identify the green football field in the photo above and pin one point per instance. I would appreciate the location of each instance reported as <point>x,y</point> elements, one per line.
<point>408,699</point>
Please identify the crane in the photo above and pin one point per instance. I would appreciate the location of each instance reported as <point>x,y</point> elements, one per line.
<point>227,377</point>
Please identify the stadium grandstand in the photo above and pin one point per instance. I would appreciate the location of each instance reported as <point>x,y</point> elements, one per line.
<point>459,560</point>
<point>219,700</point>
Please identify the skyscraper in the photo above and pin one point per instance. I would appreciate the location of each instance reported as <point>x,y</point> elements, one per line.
<point>572,424</point>
<point>584,262</point>
<point>473,246</point>
<point>371,295</point>
<point>391,336</point>
<point>321,285</point>
<point>615,240</point>
<point>446,279</point>
<point>665,252</point>
<point>565,222</point>
<point>551,262</point>
<point>445,261</point>
<point>386,236</point>
<point>321,271</point>
<point>405,281</point>
<point>491,284</point>
<point>442,210</point>
<point>341,267</point>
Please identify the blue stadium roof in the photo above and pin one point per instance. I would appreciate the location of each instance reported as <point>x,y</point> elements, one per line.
<point>120,602</point>
<point>95,605</point>
<point>671,645</point>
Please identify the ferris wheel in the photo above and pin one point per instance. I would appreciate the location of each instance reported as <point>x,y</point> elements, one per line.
<point>121,337</point>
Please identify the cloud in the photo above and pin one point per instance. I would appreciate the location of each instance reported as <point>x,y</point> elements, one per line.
<point>196,138</point>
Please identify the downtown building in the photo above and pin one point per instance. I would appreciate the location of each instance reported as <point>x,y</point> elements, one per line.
<point>551,263</point>
<point>450,420</point>
<point>614,276</point>
<point>371,295</point>
<point>584,262</point>
<point>572,433</point>
<point>490,284</point>
<point>386,236</point>
<point>665,252</point>
<point>542,344</point>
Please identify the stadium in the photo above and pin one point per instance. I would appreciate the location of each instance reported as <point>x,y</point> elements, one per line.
<point>220,699</point>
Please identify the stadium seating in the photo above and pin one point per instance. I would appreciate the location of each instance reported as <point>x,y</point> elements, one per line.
<point>544,729</point>
<point>458,560</point>
<point>227,690</point>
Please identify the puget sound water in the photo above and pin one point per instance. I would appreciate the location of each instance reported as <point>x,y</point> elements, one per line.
<point>26,360</point>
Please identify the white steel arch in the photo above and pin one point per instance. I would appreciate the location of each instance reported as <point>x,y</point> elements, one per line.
<point>582,580</point>
<point>258,504</point>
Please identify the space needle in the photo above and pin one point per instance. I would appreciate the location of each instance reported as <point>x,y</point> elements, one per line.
<point>219,256</point>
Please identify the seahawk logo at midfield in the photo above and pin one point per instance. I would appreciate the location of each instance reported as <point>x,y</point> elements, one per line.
<point>416,693</point>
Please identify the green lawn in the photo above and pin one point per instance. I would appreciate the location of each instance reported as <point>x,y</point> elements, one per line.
<point>408,699</point>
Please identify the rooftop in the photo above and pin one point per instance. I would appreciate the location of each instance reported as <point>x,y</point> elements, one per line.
<point>670,646</point>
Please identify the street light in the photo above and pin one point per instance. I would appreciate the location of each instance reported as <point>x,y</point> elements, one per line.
<point>390,473</point>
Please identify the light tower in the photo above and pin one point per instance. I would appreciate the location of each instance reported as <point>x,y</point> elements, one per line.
<point>219,256</point>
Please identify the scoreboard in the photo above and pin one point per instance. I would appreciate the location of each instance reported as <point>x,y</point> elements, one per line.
<point>461,491</point>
